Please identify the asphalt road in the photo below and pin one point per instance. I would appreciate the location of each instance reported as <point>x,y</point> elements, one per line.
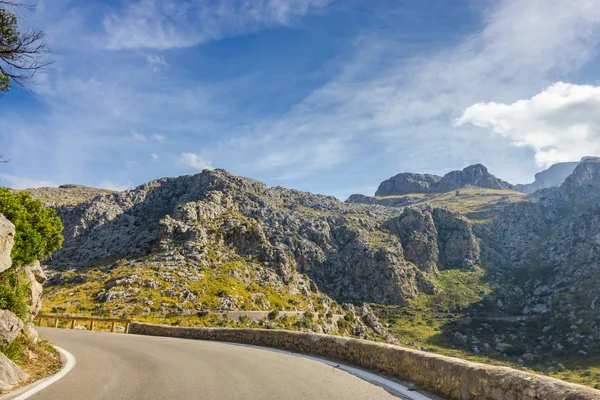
<point>116,366</point>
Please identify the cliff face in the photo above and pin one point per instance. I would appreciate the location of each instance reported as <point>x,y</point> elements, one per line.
<point>553,176</point>
<point>408,183</point>
<point>11,325</point>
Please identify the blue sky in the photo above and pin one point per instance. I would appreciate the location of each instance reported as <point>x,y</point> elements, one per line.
<point>326,96</point>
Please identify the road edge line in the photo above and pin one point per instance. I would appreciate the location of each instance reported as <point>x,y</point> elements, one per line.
<point>35,387</point>
<point>367,376</point>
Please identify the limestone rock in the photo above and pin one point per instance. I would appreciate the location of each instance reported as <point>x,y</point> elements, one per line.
<point>405,183</point>
<point>475,175</point>
<point>37,278</point>
<point>30,332</point>
<point>10,373</point>
<point>7,234</point>
<point>553,176</point>
<point>10,326</point>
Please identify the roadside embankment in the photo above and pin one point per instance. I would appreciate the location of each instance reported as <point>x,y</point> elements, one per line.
<point>450,377</point>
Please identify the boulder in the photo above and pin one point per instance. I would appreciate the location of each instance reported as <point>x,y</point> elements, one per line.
<point>36,277</point>
<point>10,326</point>
<point>10,373</point>
<point>30,333</point>
<point>7,240</point>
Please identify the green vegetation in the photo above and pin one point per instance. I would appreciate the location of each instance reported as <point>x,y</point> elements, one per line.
<point>14,290</point>
<point>37,229</point>
<point>457,290</point>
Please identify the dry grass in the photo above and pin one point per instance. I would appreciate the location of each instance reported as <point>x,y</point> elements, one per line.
<point>476,203</point>
<point>36,360</point>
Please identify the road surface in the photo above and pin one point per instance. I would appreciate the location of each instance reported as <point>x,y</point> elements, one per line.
<point>116,366</point>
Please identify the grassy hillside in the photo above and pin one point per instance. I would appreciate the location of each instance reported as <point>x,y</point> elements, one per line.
<point>430,322</point>
<point>476,203</point>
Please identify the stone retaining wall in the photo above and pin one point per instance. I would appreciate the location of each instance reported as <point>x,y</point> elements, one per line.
<point>449,377</point>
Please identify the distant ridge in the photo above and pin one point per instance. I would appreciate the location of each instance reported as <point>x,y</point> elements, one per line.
<point>553,176</point>
<point>472,176</point>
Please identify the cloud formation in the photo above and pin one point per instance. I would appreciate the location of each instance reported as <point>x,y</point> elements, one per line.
<point>167,24</point>
<point>195,161</point>
<point>561,123</point>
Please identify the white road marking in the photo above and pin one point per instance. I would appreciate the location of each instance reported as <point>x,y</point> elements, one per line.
<point>44,383</point>
<point>367,376</point>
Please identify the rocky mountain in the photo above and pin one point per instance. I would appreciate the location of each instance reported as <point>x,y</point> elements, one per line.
<point>472,176</point>
<point>553,176</point>
<point>407,182</point>
<point>65,194</point>
<point>523,269</point>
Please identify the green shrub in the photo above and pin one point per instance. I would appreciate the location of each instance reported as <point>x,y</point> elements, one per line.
<point>37,229</point>
<point>309,315</point>
<point>349,316</point>
<point>13,351</point>
<point>14,291</point>
<point>273,314</point>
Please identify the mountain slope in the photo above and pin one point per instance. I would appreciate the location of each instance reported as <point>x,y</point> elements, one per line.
<point>409,183</point>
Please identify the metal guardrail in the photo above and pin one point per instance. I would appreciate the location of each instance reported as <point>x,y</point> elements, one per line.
<point>91,320</point>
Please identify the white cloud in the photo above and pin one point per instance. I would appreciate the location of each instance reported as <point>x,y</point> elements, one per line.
<point>117,187</point>
<point>159,138</point>
<point>22,182</point>
<point>194,161</point>
<point>138,136</point>
<point>400,115</point>
<point>165,24</point>
<point>153,59</point>
<point>561,123</point>
<point>154,156</point>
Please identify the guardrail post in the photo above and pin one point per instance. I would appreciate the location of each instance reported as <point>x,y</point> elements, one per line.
<point>73,324</point>
<point>40,321</point>
<point>127,327</point>
<point>91,325</point>
<point>112,326</point>
<point>56,322</point>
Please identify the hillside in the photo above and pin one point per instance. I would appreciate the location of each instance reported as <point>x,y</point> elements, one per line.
<point>65,194</point>
<point>512,282</point>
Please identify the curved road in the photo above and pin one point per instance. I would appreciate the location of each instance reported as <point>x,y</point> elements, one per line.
<point>143,367</point>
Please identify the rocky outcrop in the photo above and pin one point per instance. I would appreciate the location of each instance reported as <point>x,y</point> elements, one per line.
<point>472,176</point>
<point>436,239</point>
<point>10,326</point>
<point>36,277</point>
<point>407,182</point>
<point>553,176</point>
<point>10,373</point>
<point>7,238</point>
